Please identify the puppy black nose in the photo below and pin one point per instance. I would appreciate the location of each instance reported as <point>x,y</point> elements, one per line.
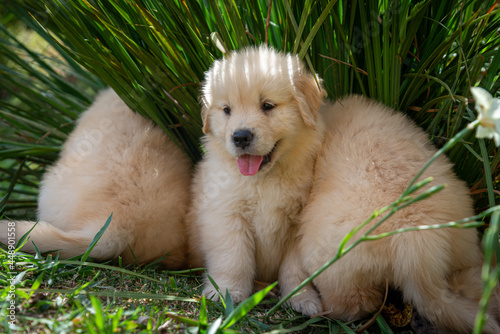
<point>242,138</point>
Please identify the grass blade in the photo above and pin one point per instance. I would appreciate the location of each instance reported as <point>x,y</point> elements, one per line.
<point>96,238</point>
<point>245,306</point>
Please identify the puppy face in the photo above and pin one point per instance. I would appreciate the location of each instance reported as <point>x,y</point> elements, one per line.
<point>255,102</point>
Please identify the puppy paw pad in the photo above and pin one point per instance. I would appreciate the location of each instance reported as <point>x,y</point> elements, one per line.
<point>210,293</point>
<point>236,295</point>
<point>308,303</point>
<point>307,308</point>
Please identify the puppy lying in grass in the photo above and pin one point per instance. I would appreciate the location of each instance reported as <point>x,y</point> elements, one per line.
<point>115,161</point>
<point>286,177</point>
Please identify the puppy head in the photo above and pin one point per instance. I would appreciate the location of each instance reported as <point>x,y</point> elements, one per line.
<point>255,100</point>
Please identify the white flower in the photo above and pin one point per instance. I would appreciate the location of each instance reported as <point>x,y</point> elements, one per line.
<point>488,108</point>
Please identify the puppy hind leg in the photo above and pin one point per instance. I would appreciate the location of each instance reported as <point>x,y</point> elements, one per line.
<point>45,236</point>
<point>352,288</point>
<point>69,244</point>
<point>421,268</point>
<point>352,301</point>
<point>307,300</point>
<point>468,283</point>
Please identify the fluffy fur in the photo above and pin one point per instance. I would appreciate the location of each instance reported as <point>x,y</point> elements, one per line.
<point>369,155</point>
<point>244,226</point>
<point>330,166</point>
<point>115,161</point>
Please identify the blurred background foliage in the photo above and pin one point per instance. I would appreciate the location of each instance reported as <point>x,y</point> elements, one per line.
<point>420,57</point>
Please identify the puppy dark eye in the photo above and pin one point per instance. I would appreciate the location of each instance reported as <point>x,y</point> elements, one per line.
<point>267,106</point>
<point>227,110</point>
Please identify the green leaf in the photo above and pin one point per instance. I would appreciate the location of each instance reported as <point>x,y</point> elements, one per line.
<point>25,237</point>
<point>216,287</point>
<point>214,327</point>
<point>96,238</point>
<point>229,305</point>
<point>245,306</point>
<point>383,325</point>
<point>173,284</point>
<point>116,294</point>
<point>5,198</point>
<point>99,317</point>
<point>203,318</point>
<point>344,327</point>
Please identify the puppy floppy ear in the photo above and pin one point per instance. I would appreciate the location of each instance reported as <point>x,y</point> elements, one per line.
<point>310,95</point>
<point>204,116</point>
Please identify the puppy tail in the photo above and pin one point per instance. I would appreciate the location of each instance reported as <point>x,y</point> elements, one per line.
<point>48,237</point>
<point>449,301</point>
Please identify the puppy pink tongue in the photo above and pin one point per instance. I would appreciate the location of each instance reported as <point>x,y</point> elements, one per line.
<point>249,164</point>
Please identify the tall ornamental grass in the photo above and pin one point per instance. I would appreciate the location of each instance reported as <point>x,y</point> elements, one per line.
<point>420,57</point>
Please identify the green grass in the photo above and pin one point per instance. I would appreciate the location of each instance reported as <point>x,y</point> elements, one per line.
<point>420,57</point>
<point>56,296</point>
<point>89,299</point>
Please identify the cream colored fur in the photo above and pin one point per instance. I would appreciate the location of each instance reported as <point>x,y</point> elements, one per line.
<point>330,170</point>
<point>245,225</point>
<point>115,161</point>
<point>369,155</point>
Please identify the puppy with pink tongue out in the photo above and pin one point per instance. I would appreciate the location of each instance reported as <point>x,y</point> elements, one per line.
<point>260,113</point>
<point>249,164</point>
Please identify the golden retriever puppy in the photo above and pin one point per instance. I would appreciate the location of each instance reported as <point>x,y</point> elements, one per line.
<point>115,161</point>
<point>262,137</point>
<point>369,156</point>
<point>280,167</point>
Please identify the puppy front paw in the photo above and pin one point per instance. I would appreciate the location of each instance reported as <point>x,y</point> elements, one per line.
<point>237,294</point>
<point>308,303</point>
<point>210,292</point>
